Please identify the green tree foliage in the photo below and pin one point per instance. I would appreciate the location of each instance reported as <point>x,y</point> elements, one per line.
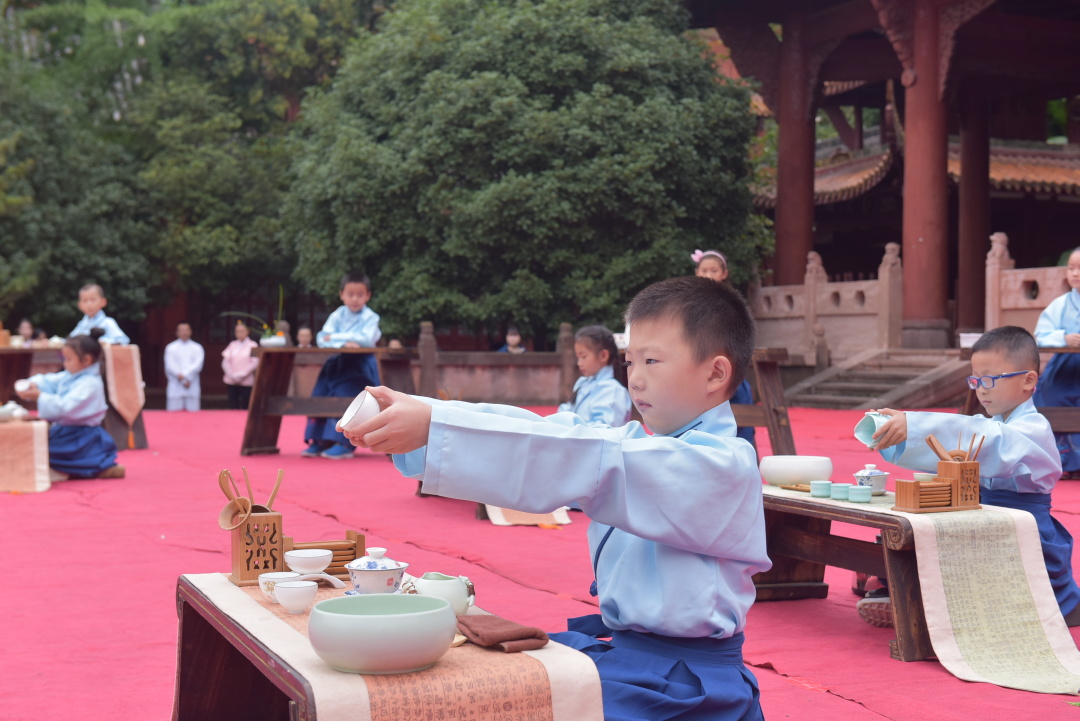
<point>534,160</point>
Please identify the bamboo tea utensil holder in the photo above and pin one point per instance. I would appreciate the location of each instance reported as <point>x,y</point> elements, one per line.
<point>954,488</point>
<point>258,546</point>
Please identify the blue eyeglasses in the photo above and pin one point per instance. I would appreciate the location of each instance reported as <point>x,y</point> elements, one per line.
<point>988,381</point>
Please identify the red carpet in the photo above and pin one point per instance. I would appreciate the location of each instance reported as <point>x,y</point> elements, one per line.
<point>89,620</point>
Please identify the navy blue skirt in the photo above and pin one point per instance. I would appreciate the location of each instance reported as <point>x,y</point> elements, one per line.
<point>81,451</point>
<point>743,395</point>
<point>648,677</point>
<point>342,376</point>
<point>1057,542</point>
<point>1059,385</point>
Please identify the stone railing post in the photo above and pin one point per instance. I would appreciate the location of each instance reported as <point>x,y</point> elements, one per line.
<point>891,298</point>
<point>429,359</point>
<point>564,346</point>
<point>813,279</point>
<point>997,260</point>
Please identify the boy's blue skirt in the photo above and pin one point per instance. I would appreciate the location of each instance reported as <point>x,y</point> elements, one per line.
<point>344,376</point>
<point>80,450</point>
<point>1057,542</point>
<point>1059,385</point>
<point>648,677</point>
<point>744,395</point>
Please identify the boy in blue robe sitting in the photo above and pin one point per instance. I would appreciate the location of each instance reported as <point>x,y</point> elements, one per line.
<point>353,325</point>
<point>1019,463</point>
<point>92,302</point>
<point>677,522</point>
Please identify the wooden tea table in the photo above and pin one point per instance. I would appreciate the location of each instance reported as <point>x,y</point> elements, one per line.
<point>239,657</point>
<point>801,543</point>
<point>270,399</point>
<point>14,364</point>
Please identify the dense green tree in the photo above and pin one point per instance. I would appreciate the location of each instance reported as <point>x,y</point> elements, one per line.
<point>534,160</point>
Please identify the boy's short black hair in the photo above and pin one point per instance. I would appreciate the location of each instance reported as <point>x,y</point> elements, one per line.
<point>715,319</point>
<point>93,286</point>
<point>355,276</point>
<point>1016,343</point>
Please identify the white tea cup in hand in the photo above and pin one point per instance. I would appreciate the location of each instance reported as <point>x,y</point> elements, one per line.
<point>22,385</point>
<point>363,408</point>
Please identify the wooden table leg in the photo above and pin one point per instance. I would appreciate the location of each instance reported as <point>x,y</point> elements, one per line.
<point>909,618</point>
<point>271,379</point>
<point>215,682</point>
<point>771,394</point>
<point>791,578</point>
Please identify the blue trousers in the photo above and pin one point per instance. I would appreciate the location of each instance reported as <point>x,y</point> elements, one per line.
<point>343,375</point>
<point>1059,385</point>
<point>82,451</point>
<point>1057,542</point>
<point>648,677</point>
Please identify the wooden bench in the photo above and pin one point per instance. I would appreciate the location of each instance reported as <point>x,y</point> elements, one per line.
<point>801,543</point>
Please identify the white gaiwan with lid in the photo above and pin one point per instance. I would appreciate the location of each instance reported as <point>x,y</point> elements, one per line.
<point>375,573</point>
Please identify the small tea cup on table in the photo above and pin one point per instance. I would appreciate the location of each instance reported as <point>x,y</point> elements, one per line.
<point>839,491</point>
<point>296,596</point>
<point>859,494</point>
<point>821,489</point>
<point>268,582</point>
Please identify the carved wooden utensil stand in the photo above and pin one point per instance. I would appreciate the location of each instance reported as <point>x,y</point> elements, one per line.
<point>954,488</point>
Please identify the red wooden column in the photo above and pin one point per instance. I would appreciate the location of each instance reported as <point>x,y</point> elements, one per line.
<point>795,162</point>
<point>925,248</point>
<point>974,239</point>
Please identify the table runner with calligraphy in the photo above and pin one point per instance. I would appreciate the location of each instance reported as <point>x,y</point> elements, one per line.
<point>554,683</point>
<point>26,456</point>
<point>990,610</point>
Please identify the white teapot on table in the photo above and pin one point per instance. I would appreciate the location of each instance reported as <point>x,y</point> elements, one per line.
<point>458,590</point>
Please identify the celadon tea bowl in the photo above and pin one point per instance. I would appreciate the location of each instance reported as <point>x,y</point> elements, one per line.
<point>381,633</point>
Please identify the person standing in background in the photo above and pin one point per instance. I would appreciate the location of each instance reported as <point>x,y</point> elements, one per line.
<point>183,363</point>
<point>239,367</point>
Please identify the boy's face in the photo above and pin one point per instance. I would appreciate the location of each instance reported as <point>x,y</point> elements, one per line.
<point>1073,270</point>
<point>1007,393</point>
<point>513,339</point>
<point>668,386</point>
<point>355,296</point>
<point>90,302</point>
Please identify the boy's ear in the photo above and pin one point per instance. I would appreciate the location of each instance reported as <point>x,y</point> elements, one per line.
<point>719,374</point>
<point>1030,381</point>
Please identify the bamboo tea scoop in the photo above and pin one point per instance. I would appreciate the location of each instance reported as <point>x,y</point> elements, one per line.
<point>937,448</point>
<point>228,485</point>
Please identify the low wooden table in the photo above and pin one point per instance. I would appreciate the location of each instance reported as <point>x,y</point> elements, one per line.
<point>801,543</point>
<point>270,399</point>
<point>14,364</point>
<point>236,661</point>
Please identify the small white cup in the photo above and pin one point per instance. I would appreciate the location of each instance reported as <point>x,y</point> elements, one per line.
<point>821,489</point>
<point>268,582</point>
<point>22,385</point>
<point>295,596</point>
<point>363,408</point>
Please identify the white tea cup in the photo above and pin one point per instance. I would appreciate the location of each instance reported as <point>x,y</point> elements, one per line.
<point>268,582</point>
<point>295,596</point>
<point>363,408</point>
<point>458,590</point>
<point>22,385</point>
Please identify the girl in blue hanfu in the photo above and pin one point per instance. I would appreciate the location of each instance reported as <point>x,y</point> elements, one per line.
<point>599,399</point>
<point>1059,385</point>
<point>73,400</point>
<point>677,521</point>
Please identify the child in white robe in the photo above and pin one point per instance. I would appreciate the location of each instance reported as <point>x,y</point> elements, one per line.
<point>677,526</point>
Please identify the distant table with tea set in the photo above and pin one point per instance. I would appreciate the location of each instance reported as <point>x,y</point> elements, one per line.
<point>270,399</point>
<point>239,657</point>
<point>801,542</point>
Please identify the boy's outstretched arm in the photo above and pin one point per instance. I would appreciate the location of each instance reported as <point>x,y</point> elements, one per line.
<point>893,432</point>
<point>401,426</point>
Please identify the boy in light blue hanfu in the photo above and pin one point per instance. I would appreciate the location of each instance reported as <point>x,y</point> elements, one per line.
<point>677,526</point>
<point>1019,464</point>
<point>353,325</point>
<point>92,302</point>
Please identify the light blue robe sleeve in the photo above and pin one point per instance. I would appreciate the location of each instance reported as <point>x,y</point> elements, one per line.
<point>1019,455</point>
<point>113,334</point>
<point>344,327</point>
<point>1050,329</point>
<point>76,400</point>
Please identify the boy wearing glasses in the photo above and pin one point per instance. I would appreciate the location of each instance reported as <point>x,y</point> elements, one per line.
<point>1019,462</point>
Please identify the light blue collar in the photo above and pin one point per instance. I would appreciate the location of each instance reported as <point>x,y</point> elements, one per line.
<point>718,421</point>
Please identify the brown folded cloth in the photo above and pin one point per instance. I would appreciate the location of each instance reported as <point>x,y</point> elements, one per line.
<point>496,632</point>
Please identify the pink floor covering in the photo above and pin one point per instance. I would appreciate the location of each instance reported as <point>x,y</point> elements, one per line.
<point>88,620</point>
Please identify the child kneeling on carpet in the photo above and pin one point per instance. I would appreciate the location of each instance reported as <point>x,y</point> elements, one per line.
<point>73,400</point>
<point>599,399</point>
<point>1019,463</point>
<point>677,521</point>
